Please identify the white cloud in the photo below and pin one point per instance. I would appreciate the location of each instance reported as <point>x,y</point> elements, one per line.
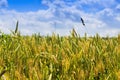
<point>106,12</point>
<point>47,21</point>
<point>118,17</point>
<point>118,7</point>
<point>101,3</point>
<point>3,3</point>
<point>110,32</point>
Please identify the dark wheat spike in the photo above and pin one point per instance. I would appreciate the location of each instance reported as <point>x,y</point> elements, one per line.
<point>16,30</point>
<point>83,22</point>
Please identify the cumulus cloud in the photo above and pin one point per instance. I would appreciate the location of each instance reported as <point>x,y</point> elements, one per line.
<point>118,7</point>
<point>106,11</point>
<point>118,17</point>
<point>3,3</point>
<point>62,19</point>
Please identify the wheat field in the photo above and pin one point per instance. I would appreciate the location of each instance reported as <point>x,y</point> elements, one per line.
<point>57,57</point>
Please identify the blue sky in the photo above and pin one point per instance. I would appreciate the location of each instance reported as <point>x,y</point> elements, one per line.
<point>25,5</point>
<point>60,16</point>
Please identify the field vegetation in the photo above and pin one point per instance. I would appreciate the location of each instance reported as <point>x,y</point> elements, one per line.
<point>57,57</point>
